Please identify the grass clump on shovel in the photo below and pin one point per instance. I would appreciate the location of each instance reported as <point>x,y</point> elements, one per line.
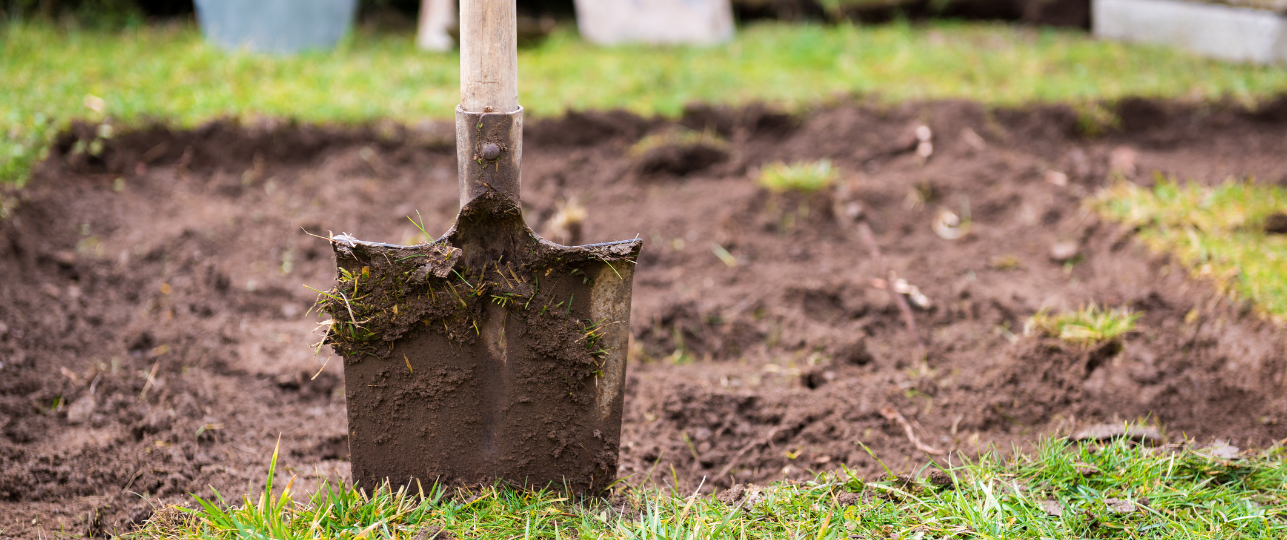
<point>490,354</point>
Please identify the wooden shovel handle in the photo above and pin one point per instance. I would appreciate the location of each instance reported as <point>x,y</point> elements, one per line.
<point>488,56</point>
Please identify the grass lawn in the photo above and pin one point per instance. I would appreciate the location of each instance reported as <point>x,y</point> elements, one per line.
<point>1062,490</point>
<point>52,75</point>
<point>1217,232</point>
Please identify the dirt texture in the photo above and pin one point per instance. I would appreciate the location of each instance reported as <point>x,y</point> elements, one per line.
<point>155,332</point>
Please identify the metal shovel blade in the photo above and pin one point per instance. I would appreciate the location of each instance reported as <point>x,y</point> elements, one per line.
<point>490,354</point>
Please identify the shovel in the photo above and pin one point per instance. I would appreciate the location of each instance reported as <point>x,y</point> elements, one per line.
<point>489,354</point>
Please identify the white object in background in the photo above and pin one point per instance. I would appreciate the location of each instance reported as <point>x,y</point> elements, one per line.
<point>436,16</point>
<point>1220,31</point>
<point>669,22</point>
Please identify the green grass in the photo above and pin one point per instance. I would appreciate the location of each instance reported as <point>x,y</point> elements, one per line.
<point>679,137</point>
<point>1087,326</point>
<point>802,176</point>
<point>1217,232</point>
<point>167,73</point>
<point>1060,490</point>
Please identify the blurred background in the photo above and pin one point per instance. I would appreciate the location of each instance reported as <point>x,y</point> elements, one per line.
<point>402,13</point>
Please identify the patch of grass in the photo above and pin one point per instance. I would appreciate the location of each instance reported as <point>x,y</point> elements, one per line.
<point>802,176</point>
<point>1217,232</point>
<point>682,137</point>
<point>1060,490</point>
<point>53,75</point>
<point>1088,325</point>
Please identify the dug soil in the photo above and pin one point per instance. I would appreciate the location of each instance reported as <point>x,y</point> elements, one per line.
<point>156,333</point>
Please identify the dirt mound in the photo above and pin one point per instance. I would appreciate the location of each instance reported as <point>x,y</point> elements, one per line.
<point>155,329</point>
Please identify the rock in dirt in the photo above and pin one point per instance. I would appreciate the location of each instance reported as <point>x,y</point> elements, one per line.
<point>732,495</point>
<point>1052,508</point>
<point>1057,178</point>
<point>433,533</point>
<point>1276,223</point>
<point>848,498</point>
<point>1063,252</point>
<point>1220,450</point>
<point>1110,431</point>
<point>744,495</point>
<point>80,411</point>
<point>1120,506</point>
<point>1121,161</point>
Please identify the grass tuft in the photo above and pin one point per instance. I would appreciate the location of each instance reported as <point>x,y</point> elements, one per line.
<point>1086,326</point>
<point>802,176</point>
<point>679,137</point>
<point>1217,232</point>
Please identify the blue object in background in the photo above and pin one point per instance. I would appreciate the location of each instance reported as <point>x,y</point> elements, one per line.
<point>275,26</point>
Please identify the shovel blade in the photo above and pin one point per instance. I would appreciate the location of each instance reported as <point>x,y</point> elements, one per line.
<point>512,371</point>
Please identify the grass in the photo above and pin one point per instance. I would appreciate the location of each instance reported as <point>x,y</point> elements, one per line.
<point>679,137</point>
<point>1087,326</point>
<point>802,176</point>
<point>1060,490</point>
<point>1217,232</point>
<point>166,73</point>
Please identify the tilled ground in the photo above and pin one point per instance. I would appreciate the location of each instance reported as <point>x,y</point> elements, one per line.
<point>155,329</point>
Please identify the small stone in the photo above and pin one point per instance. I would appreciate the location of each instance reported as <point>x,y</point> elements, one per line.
<point>1121,161</point>
<point>731,496</point>
<point>848,499</point>
<point>853,210</point>
<point>1057,178</point>
<point>433,533</point>
<point>1276,223</point>
<point>1120,506</point>
<point>1052,508</point>
<point>1063,252</point>
<point>1110,431</point>
<point>491,151</point>
<point>65,258</point>
<point>924,149</point>
<point>1220,450</point>
<point>80,411</point>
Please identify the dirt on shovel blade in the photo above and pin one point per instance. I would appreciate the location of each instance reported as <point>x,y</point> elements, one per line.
<point>467,371</point>
<point>155,337</point>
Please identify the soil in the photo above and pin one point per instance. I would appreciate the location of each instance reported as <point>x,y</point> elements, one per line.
<point>156,336</point>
